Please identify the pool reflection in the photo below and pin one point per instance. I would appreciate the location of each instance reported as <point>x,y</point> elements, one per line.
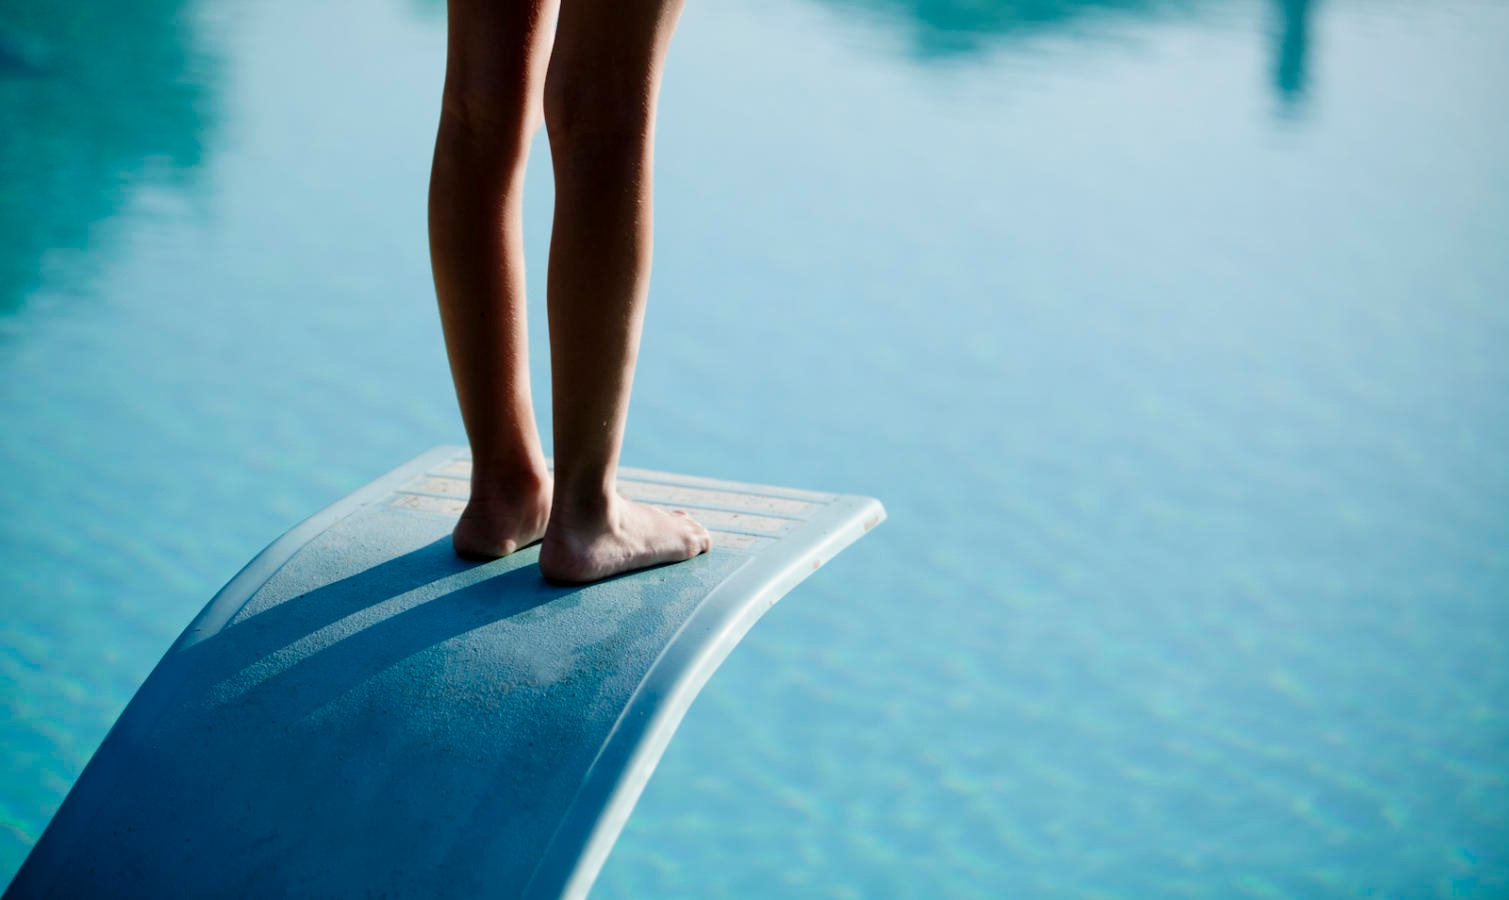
<point>948,30</point>
<point>1291,52</point>
<point>96,97</point>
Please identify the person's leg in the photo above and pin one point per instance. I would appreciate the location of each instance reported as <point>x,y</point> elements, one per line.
<point>497,53</point>
<point>600,98</point>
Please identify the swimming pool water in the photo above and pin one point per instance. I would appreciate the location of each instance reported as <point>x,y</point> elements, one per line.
<point>1171,334</point>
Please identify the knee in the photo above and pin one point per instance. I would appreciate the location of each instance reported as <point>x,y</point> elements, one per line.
<point>597,106</point>
<point>498,120</point>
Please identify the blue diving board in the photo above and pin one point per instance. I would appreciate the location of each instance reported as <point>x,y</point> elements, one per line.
<point>361,713</point>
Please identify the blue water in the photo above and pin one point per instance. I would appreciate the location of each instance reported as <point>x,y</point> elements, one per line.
<point>1172,334</point>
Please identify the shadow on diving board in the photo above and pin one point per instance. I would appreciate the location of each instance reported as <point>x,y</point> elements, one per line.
<point>360,712</point>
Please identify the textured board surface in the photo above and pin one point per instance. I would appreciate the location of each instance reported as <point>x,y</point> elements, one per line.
<point>362,713</point>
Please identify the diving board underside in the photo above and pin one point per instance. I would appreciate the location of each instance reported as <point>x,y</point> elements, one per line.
<point>361,713</point>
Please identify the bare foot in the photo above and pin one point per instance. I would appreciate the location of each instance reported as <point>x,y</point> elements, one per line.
<point>500,519</point>
<point>583,547</point>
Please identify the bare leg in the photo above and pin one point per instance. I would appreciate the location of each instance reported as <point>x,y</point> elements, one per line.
<point>600,97</point>
<point>497,55</point>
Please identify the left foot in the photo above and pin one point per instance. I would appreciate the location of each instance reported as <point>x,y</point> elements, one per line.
<point>500,519</point>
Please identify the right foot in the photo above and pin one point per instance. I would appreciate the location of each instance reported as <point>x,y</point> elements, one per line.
<point>580,548</point>
<point>499,520</point>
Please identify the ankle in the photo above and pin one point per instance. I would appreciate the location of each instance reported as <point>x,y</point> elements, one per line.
<point>512,480</point>
<point>583,505</point>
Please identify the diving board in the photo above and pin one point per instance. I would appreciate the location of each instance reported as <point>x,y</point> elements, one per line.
<point>361,713</point>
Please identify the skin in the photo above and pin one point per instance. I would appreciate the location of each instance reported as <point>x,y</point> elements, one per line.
<point>590,71</point>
